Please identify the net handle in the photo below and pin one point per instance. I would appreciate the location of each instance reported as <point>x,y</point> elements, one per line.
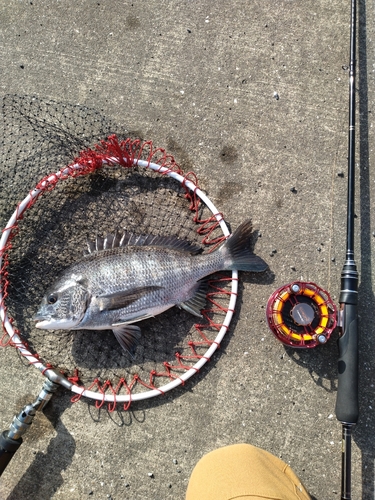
<point>32,359</point>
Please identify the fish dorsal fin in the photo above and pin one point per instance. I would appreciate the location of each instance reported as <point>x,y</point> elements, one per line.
<point>131,239</point>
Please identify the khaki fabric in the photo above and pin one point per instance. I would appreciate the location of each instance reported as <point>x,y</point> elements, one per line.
<point>243,471</point>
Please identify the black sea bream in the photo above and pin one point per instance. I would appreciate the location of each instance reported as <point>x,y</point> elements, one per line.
<point>128,278</point>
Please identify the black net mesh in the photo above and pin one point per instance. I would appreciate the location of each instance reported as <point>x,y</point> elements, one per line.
<point>40,137</point>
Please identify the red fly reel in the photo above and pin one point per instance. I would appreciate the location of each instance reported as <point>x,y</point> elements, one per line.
<point>301,314</point>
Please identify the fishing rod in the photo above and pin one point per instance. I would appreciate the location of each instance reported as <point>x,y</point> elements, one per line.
<point>303,315</point>
<point>347,391</point>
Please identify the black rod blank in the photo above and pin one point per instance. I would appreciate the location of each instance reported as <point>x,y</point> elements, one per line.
<point>351,138</point>
<point>347,391</point>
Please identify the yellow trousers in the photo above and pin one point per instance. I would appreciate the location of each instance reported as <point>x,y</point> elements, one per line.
<point>241,472</point>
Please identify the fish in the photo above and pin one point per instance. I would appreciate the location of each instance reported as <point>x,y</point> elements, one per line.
<point>127,278</point>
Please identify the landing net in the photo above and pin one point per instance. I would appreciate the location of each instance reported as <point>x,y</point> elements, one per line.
<point>117,184</point>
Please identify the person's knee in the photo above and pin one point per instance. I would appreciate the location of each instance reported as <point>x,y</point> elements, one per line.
<point>243,470</point>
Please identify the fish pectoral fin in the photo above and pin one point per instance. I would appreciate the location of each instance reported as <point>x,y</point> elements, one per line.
<point>118,300</point>
<point>128,337</point>
<point>198,301</point>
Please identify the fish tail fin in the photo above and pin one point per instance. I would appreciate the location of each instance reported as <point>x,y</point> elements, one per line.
<point>237,253</point>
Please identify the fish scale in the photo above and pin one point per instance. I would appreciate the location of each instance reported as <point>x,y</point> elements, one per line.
<point>176,274</point>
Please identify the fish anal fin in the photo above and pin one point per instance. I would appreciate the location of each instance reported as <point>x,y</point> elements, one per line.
<point>119,300</point>
<point>128,336</point>
<point>198,301</point>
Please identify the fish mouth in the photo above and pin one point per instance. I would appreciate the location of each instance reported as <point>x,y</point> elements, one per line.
<point>40,317</point>
<point>49,323</point>
<point>42,321</point>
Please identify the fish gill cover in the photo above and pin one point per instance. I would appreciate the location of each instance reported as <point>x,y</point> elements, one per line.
<point>40,137</point>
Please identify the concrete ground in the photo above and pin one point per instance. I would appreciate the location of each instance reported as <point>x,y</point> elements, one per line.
<point>252,96</point>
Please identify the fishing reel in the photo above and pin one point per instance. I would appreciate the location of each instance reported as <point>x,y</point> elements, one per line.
<point>301,314</point>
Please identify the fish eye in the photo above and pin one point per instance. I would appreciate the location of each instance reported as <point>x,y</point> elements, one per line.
<point>52,299</point>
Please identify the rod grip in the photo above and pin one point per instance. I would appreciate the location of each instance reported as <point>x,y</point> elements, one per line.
<point>347,390</point>
<point>8,448</point>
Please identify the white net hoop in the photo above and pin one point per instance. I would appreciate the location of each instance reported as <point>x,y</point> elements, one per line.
<point>16,341</point>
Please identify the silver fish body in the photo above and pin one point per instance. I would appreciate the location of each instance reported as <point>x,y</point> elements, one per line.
<point>120,283</point>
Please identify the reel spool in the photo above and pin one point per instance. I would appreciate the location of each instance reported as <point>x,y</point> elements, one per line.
<point>301,314</point>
